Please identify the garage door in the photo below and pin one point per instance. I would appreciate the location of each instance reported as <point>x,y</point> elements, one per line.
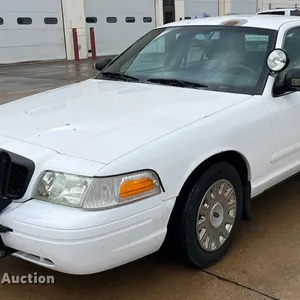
<point>118,23</point>
<point>31,30</point>
<point>193,8</point>
<point>244,7</point>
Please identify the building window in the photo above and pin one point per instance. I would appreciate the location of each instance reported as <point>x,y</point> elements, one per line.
<point>51,21</point>
<point>24,21</point>
<point>168,3</point>
<point>111,20</point>
<point>130,20</point>
<point>1,21</point>
<point>91,20</point>
<point>147,20</point>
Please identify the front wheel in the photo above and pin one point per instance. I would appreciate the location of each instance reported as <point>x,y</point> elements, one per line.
<point>210,215</point>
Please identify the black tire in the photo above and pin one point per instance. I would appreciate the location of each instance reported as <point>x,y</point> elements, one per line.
<point>186,236</point>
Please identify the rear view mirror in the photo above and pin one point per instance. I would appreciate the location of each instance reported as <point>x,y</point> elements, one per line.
<point>102,63</point>
<point>292,80</point>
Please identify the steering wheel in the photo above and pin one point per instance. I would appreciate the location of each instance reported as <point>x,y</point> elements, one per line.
<point>242,68</point>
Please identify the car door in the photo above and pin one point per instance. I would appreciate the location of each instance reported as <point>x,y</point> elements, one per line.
<point>285,111</point>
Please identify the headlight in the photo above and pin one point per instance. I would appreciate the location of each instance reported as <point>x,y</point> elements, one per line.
<point>96,193</point>
<point>62,188</point>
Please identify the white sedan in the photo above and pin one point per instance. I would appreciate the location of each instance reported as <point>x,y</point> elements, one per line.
<point>166,145</point>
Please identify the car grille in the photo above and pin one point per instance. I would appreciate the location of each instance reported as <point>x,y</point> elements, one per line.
<point>17,180</point>
<point>16,173</point>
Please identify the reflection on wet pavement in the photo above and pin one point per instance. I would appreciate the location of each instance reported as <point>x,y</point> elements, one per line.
<point>22,80</point>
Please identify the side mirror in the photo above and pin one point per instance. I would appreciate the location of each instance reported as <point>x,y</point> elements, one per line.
<point>277,60</point>
<point>292,80</point>
<point>102,63</point>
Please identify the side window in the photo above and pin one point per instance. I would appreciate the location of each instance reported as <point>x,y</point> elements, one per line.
<point>158,46</point>
<point>256,38</point>
<point>152,57</point>
<point>199,46</point>
<point>216,35</point>
<point>196,52</point>
<point>295,13</point>
<point>292,45</point>
<point>254,42</point>
<point>1,21</point>
<point>200,37</point>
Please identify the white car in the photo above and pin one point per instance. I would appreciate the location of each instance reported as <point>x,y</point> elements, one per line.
<point>281,11</point>
<point>166,145</point>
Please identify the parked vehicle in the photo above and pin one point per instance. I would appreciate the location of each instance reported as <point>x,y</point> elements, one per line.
<point>168,144</point>
<point>281,11</point>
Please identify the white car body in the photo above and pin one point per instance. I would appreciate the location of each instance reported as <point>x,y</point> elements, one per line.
<point>102,128</point>
<point>280,11</point>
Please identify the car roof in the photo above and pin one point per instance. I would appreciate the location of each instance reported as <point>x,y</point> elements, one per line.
<point>259,21</point>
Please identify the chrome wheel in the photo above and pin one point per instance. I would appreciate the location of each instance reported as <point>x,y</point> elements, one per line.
<point>216,215</point>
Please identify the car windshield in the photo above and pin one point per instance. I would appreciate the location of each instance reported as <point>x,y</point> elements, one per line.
<point>221,58</point>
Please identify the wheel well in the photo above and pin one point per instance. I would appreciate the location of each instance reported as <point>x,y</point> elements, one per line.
<point>232,157</point>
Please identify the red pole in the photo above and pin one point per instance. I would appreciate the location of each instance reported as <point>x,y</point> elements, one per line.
<point>93,43</point>
<point>75,43</point>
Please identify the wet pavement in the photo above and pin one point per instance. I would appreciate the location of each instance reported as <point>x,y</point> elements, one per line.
<point>263,263</point>
<point>17,81</point>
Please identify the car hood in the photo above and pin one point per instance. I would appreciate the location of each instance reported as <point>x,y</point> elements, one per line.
<point>101,120</point>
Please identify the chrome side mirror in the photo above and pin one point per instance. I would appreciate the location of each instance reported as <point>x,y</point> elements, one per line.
<point>277,60</point>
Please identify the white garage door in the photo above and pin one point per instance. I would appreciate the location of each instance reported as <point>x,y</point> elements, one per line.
<point>193,8</point>
<point>118,24</point>
<point>31,30</point>
<point>244,7</point>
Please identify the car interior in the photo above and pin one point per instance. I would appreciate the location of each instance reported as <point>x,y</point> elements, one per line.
<point>291,46</point>
<point>227,59</point>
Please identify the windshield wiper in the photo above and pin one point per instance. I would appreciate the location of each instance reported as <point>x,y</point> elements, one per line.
<point>178,82</point>
<point>119,76</point>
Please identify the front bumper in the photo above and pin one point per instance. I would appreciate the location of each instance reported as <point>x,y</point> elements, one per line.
<point>75,241</point>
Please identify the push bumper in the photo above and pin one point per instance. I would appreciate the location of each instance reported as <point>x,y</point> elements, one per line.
<point>80,242</point>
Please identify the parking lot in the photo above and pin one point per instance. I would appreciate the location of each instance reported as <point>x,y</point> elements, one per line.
<point>264,262</point>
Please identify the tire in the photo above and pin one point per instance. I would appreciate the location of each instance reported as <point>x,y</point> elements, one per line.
<point>206,251</point>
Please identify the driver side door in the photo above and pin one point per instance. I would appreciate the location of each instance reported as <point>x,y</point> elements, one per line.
<point>285,112</point>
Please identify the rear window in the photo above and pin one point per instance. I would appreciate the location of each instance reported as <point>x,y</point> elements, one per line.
<point>256,38</point>
<point>295,13</point>
<point>281,13</point>
<point>258,43</point>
